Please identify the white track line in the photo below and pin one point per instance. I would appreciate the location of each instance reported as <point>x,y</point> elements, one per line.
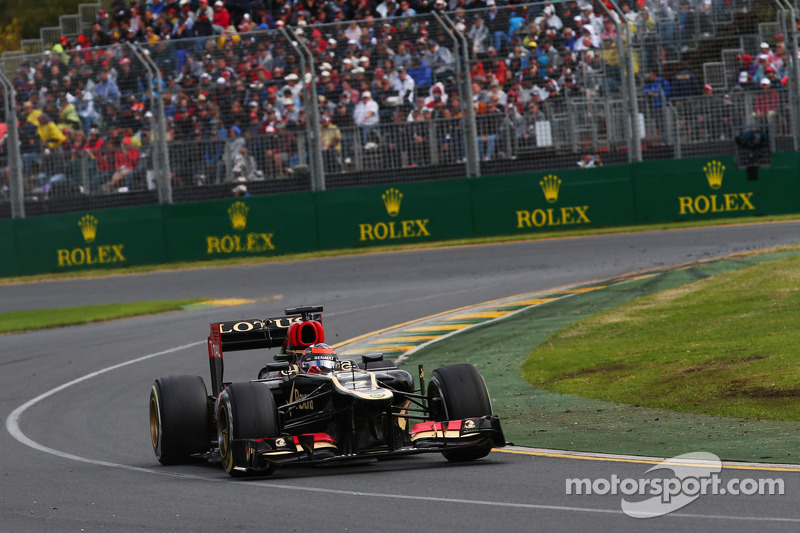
<point>12,426</point>
<point>12,422</point>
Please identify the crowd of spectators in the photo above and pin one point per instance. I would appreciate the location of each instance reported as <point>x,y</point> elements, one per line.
<point>710,113</point>
<point>236,99</point>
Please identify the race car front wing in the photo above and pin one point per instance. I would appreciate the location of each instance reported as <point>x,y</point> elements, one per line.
<point>320,448</point>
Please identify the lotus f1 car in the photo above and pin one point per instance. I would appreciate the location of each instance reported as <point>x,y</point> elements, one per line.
<point>309,407</point>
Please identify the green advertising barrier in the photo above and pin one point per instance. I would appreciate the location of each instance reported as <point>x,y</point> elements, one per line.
<point>240,227</point>
<point>397,214</point>
<point>696,189</point>
<point>106,238</point>
<point>659,191</point>
<point>8,266</point>
<point>546,201</point>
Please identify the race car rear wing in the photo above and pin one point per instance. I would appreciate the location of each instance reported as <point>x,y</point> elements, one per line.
<point>256,333</point>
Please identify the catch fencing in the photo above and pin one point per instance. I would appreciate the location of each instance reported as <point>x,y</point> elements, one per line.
<point>459,93</point>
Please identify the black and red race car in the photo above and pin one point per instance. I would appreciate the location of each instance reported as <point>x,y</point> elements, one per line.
<point>310,407</point>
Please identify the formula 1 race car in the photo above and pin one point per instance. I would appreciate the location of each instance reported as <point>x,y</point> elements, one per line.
<point>309,407</point>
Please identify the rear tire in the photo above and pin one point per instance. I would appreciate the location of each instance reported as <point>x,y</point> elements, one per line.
<point>246,411</point>
<point>179,418</point>
<point>456,392</point>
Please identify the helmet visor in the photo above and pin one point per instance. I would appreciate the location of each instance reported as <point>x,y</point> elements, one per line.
<point>318,365</point>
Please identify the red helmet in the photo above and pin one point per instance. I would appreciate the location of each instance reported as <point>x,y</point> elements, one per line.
<point>318,359</point>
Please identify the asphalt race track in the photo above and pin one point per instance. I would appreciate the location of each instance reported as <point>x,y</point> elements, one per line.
<point>76,452</point>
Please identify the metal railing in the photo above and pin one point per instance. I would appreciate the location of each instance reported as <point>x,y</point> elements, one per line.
<point>463,93</point>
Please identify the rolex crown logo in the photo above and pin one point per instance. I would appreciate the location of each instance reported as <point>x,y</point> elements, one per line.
<point>391,199</point>
<point>238,215</point>
<point>88,225</point>
<point>714,172</point>
<point>550,185</point>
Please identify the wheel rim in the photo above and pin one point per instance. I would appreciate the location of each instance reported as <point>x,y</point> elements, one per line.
<point>224,439</point>
<point>155,422</point>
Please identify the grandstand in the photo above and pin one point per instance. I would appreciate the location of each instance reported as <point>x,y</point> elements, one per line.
<point>131,103</point>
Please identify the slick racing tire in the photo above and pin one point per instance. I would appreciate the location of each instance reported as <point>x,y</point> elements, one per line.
<point>179,418</point>
<point>456,392</point>
<point>246,411</point>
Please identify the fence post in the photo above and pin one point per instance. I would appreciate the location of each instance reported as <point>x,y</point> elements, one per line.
<point>465,93</point>
<point>673,119</point>
<point>629,82</point>
<point>16,187</point>
<point>312,110</point>
<point>433,146</point>
<point>161,164</point>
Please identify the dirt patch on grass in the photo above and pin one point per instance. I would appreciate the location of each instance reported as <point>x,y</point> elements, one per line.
<point>743,390</point>
<point>718,365</point>
<point>595,370</point>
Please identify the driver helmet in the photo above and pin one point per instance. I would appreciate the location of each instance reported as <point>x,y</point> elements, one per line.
<point>318,359</point>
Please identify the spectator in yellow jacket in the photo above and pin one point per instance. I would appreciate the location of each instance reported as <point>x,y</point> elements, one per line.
<point>51,136</point>
<point>31,113</point>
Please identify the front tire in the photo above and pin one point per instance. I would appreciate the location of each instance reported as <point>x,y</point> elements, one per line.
<point>456,392</point>
<point>246,411</point>
<point>179,419</point>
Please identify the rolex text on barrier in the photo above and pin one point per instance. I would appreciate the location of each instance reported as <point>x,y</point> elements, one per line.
<point>546,201</point>
<point>250,242</point>
<point>716,203</point>
<point>241,227</point>
<point>109,238</point>
<point>393,229</point>
<point>90,255</point>
<point>394,214</point>
<point>688,189</point>
<point>552,216</point>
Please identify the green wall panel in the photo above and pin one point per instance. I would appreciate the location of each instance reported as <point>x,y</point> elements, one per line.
<point>265,225</point>
<point>400,214</point>
<point>546,201</point>
<point>108,238</point>
<point>708,188</point>
<point>780,184</point>
<point>648,192</point>
<point>8,265</point>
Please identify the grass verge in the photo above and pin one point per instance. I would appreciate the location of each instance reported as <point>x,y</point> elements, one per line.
<point>16,321</point>
<point>722,346</point>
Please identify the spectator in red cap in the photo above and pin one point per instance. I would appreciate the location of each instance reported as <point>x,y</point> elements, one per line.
<point>127,79</point>
<point>102,20</point>
<point>126,160</point>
